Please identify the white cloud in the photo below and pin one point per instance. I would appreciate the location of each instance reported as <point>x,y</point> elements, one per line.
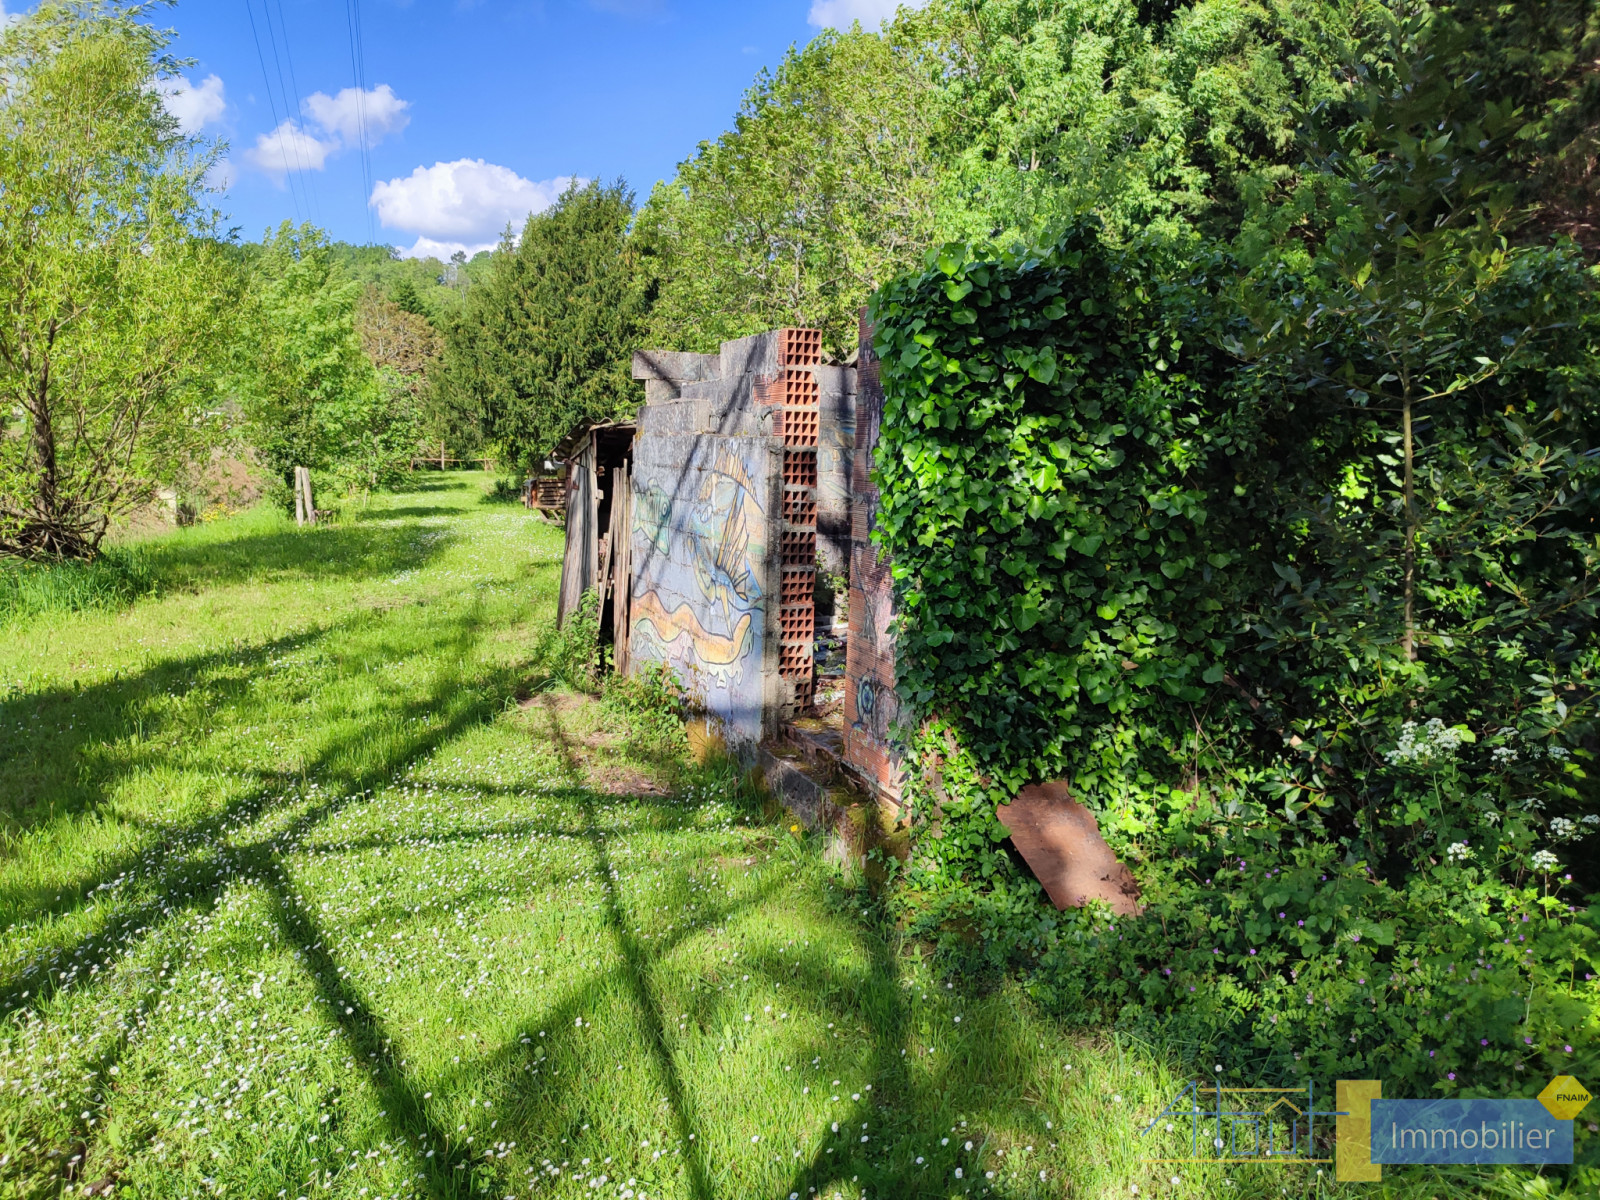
<point>343,115</point>
<point>838,14</point>
<point>289,148</point>
<point>427,247</point>
<point>335,123</point>
<point>466,203</point>
<point>193,105</point>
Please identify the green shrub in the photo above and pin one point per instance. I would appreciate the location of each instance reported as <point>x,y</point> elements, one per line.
<point>113,580</point>
<point>653,704</point>
<point>1129,559</point>
<point>573,654</point>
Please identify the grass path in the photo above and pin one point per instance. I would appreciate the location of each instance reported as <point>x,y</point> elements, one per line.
<point>303,896</point>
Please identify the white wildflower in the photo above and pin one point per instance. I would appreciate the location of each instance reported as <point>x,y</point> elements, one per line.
<point>1429,743</point>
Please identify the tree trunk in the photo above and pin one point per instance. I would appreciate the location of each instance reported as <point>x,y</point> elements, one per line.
<point>299,500</point>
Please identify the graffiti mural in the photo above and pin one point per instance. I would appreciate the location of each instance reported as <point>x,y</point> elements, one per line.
<point>699,546</point>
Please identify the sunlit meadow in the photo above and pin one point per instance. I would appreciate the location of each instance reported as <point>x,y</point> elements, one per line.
<point>312,886</point>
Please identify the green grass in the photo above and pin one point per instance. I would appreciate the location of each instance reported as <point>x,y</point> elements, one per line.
<point>32,590</point>
<point>311,886</point>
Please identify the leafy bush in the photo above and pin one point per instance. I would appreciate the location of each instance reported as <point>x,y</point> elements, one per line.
<point>573,654</point>
<point>1176,577</point>
<point>116,578</point>
<point>652,703</point>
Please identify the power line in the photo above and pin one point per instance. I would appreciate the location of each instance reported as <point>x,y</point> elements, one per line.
<point>358,69</point>
<point>272,105</point>
<point>305,177</point>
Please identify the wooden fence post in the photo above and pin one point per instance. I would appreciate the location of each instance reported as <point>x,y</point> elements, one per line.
<point>305,509</point>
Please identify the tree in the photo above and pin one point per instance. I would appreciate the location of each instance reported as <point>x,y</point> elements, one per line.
<point>309,390</point>
<point>1383,297</point>
<point>976,120</point>
<point>546,338</point>
<point>404,297</point>
<point>823,189</point>
<point>396,337</point>
<point>116,299</point>
<point>404,347</point>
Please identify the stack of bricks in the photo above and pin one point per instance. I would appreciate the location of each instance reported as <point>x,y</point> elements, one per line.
<point>794,396</point>
<point>871,708</point>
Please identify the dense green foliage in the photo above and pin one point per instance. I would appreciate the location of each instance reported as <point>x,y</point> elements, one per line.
<point>1285,560</point>
<point>824,187</point>
<point>313,398</point>
<point>423,286</point>
<point>547,333</point>
<point>1006,119</point>
<point>116,302</point>
<point>996,120</point>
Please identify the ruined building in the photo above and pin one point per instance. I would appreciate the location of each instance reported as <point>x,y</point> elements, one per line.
<point>738,486</point>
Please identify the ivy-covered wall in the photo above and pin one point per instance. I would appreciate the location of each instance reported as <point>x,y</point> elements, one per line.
<point>1135,550</point>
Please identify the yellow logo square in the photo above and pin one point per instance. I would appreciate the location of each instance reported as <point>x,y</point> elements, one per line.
<point>1565,1097</point>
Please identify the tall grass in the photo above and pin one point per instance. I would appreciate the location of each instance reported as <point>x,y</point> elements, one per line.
<point>112,581</point>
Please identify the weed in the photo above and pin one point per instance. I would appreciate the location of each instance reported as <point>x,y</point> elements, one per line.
<point>112,581</point>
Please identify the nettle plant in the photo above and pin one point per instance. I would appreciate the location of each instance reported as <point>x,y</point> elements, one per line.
<point>1335,705</point>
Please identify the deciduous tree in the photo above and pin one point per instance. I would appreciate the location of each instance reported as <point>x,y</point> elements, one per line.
<point>116,302</point>
<point>309,389</point>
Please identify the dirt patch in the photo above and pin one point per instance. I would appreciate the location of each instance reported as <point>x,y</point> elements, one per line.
<point>623,781</point>
<point>563,704</point>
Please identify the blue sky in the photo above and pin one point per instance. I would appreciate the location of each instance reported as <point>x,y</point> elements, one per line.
<point>473,111</point>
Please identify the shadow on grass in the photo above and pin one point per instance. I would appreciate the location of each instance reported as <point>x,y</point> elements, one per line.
<point>205,856</point>
<point>873,995</point>
<point>173,862</point>
<point>404,512</point>
<point>46,736</point>
<point>196,862</point>
<point>448,482</point>
<point>636,963</point>
<point>343,552</point>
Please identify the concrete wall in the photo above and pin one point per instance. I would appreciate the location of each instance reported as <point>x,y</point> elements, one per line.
<point>836,449</point>
<point>701,568</point>
<point>871,709</point>
<point>739,457</point>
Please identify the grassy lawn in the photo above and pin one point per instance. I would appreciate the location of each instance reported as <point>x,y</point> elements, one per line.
<point>312,888</point>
